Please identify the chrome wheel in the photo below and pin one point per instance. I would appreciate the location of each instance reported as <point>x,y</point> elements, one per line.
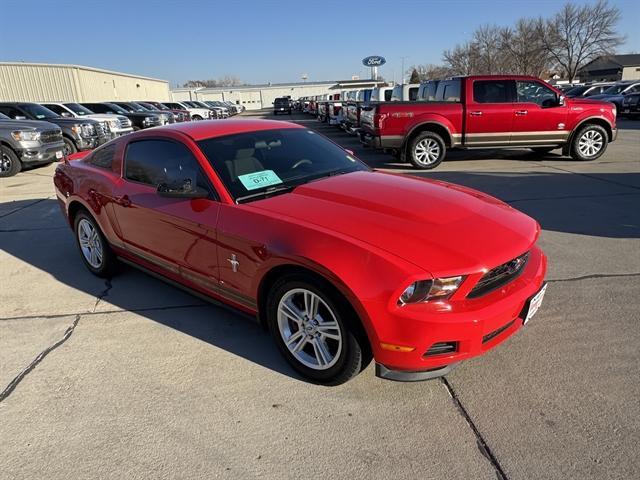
<point>309,329</point>
<point>426,152</point>
<point>90,243</point>
<point>590,143</point>
<point>5,163</point>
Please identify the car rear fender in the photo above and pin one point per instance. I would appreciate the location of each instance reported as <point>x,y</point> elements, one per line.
<point>435,123</point>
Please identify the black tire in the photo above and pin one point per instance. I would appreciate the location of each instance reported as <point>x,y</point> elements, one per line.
<point>109,262</point>
<point>355,352</point>
<point>426,137</point>
<point>542,150</point>
<point>10,164</point>
<point>196,118</point>
<point>598,132</point>
<point>69,146</point>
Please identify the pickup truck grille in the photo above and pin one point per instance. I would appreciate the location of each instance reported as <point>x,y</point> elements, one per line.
<point>124,122</point>
<point>51,136</point>
<point>499,276</point>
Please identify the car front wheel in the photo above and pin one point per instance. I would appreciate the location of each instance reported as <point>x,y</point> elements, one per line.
<point>315,331</point>
<point>10,164</point>
<point>427,151</point>
<point>69,147</point>
<point>589,143</point>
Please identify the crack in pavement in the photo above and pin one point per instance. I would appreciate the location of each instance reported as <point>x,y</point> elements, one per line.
<point>103,294</point>
<point>16,381</point>
<point>35,229</point>
<point>594,275</point>
<point>480,441</point>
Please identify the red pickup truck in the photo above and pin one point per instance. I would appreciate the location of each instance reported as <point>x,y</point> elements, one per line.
<point>490,112</point>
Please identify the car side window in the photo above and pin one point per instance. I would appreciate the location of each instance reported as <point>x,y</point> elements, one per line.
<point>154,162</point>
<point>11,112</point>
<point>103,157</point>
<point>491,91</point>
<point>529,91</point>
<point>448,91</point>
<point>55,108</point>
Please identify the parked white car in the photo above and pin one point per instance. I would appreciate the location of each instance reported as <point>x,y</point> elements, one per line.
<point>405,92</point>
<point>115,125</point>
<point>196,113</point>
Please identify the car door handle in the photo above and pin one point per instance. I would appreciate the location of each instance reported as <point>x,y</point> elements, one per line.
<point>123,201</point>
<point>475,114</point>
<point>520,113</point>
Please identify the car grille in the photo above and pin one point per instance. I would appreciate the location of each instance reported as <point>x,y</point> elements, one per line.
<point>499,276</point>
<point>441,348</point>
<point>51,136</point>
<point>124,122</point>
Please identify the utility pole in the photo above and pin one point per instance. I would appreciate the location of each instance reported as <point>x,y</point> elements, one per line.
<point>402,71</point>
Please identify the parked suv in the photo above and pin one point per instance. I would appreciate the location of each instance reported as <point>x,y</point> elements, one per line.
<point>587,90</point>
<point>616,93</point>
<point>139,120</point>
<point>78,134</point>
<point>166,118</point>
<point>181,114</point>
<point>196,113</point>
<point>115,125</point>
<point>631,105</point>
<point>281,105</point>
<point>27,142</point>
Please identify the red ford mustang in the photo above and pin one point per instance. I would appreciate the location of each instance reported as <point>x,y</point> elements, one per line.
<point>340,262</point>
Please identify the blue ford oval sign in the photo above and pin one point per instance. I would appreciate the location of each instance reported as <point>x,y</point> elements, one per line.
<point>373,61</point>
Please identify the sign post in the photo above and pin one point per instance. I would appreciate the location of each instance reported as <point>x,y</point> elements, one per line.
<point>373,62</point>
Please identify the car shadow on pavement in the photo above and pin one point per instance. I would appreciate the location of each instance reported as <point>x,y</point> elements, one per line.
<point>128,290</point>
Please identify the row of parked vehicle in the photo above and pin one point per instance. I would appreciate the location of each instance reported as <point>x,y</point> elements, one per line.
<point>38,133</point>
<point>419,122</point>
<point>625,94</point>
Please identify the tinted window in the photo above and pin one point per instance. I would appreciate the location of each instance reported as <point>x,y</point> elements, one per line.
<point>38,111</point>
<point>56,109</point>
<point>529,91</point>
<point>281,158</point>
<point>448,91</point>
<point>492,91</point>
<point>78,109</point>
<point>162,161</point>
<point>413,94</point>
<point>4,117</point>
<point>103,157</point>
<point>387,95</point>
<point>11,112</point>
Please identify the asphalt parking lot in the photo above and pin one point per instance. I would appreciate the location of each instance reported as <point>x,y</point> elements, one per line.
<point>132,378</point>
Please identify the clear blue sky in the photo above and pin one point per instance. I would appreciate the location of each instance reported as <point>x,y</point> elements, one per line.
<point>259,41</point>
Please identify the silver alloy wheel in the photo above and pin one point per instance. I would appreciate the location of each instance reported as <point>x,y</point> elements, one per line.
<point>590,143</point>
<point>426,151</point>
<point>309,329</point>
<point>5,163</point>
<point>90,243</point>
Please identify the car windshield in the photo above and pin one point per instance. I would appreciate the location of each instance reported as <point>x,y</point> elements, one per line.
<point>78,109</point>
<point>575,91</point>
<point>255,165</point>
<point>136,108</point>
<point>160,106</point>
<point>615,89</point>
<point>4,117</point>
<point>38,111</point>
<point>116,108</point>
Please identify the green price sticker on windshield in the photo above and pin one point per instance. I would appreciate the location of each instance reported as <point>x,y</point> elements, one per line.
<point>264,178</point>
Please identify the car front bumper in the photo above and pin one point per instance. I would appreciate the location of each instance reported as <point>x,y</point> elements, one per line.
<point>35,152</point>
<point>474,326</point>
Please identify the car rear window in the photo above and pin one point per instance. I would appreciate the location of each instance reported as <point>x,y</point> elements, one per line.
<point>103,157</point>
<point>448,91</point>
<point>492,91</point>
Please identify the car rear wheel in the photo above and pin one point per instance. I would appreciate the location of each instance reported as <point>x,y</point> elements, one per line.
<point>94,249</point>
<point>196,117</point>
<point>589,143</point>
<point>69,147</point>
<point>315,331</point>
<point>10,164</point>
<point>427,150</point>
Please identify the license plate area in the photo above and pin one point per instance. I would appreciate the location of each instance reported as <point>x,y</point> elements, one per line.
<point>533,305</point>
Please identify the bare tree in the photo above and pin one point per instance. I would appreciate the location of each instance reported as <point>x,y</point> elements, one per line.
<point>430,71</point>
<point>578,34</point>
<point>491,60</point>
<point>523,48</point>
<point>463,59</point>
<point>225,81</point>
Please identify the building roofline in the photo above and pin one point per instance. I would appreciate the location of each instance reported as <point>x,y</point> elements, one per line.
<point>264,86</point>
<point>83,67</point>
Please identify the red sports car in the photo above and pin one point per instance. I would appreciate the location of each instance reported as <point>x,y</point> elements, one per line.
<point>340,262</point>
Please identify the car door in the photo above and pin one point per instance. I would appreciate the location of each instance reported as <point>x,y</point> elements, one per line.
<point>176,234</point>
<point>489,114</point>
<point>538,117</point>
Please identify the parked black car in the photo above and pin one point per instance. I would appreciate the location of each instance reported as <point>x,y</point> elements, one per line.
<point>77,134</point>
<point>133,107</point>
<point>139,120</point>
<point>281,105</point>
<point>630,105</point>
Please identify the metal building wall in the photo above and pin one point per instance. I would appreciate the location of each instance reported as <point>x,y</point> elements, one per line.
<point>42,82</point>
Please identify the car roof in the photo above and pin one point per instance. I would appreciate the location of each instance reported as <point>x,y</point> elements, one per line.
<point>218,128</point>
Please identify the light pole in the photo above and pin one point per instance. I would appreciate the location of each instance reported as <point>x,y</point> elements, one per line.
<point>402,71</point>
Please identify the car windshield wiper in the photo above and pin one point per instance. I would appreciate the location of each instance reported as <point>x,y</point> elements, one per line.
<point>266,193</point>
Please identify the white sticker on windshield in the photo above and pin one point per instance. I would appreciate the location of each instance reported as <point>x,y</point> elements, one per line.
<point>264,178</point>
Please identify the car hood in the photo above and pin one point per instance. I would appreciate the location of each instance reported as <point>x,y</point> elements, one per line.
<point>63,121</point>
<point>442,228</point>
<point>29,124</point>
<point>604,97</point>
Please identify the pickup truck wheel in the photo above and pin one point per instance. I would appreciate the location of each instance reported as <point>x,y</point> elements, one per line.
<point>314,330</point>
<point>196,117</point>
<point>427,150</point>
<point>69,146</point>
<point>10,164</point>
<point>93,246</point>
<point>589,143</point>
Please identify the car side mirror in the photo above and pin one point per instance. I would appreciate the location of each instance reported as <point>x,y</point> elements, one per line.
<point>183,190</point>
<point>19,117</point>
<point>561,100</point>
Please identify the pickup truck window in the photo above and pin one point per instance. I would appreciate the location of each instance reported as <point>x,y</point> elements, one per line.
<point>413,94</point>
<point>56,108</point>
<point>448,91</point>
<point>38,111</point>
<point>492,91</point>
<point>529,91</point>
<point>387,95</point>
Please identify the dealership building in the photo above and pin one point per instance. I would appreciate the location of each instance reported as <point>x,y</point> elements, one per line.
<point>33,82</point>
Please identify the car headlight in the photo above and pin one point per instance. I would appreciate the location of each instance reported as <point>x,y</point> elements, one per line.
<point>114,124</point>
<point>84,129</point>
<point>25,136</point>
<point>425,290</point>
